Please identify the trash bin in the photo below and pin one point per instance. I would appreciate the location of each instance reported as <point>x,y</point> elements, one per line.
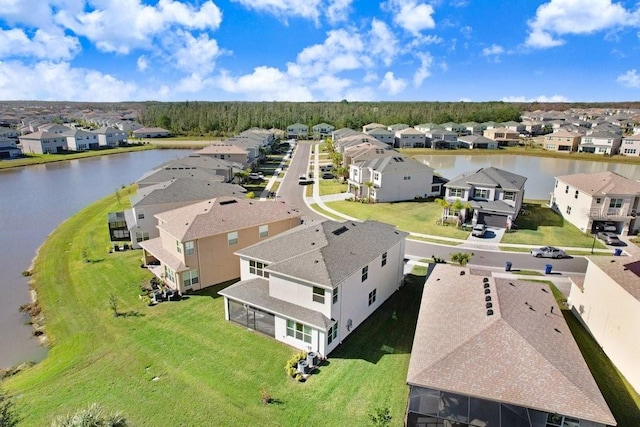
<point>547,269</point>
<point>617,252</point>
<point>507,266</point>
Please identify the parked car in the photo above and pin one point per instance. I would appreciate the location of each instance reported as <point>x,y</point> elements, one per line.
<point>610,238</point>
<point>479,230</point>
<point>303,180</point>
<point>327,175</point>
<point>609,226</point>
<point>548,252</point>
<point>256,176</point>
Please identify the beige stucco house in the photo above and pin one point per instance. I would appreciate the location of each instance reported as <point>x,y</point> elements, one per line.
<point>562,141</point>
<point>607,300</point>
<point>226,151</point>
<point>197,243</point>
<point>503,136</point>
<point>630,146</point>
<point>588,200</point>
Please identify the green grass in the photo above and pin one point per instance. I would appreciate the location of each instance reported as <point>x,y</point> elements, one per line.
<point>38,159</point>
<point>542,226</point>
<point>318,209</point>
<point>527,272</point>
<point>210,372</point>
<point>331,186</point>
<point>417,217</point>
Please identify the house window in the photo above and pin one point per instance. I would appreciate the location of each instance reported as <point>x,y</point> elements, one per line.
<point>598,200</point>
<point>178,246</point>
<point>435,188</point>
<point>332,333</point>
<point>384,259</point>
<point>407,177</point>
<point>257,268</point>
<point>169,274</point>
<point>566,190</point>
<point>365,273</point>
<point>455,192</point>
<point>509,195</point>
<point>190,278</point>
<point>299,331</point>
<point>372,296</point>
<point>576,195</point>
<point>142,235</point>
<point>318,295</point>
<point>376,176</point>
<point>232,238</point>
<point>263,230</point>
<point>569,210</point>
<point>189,248</point>
<point>140,214</point>
<point>334,296</point>
<point>482,193</point>
<point>615,203</point>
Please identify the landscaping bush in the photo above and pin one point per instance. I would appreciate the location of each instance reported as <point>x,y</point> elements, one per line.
<point>291,368</point>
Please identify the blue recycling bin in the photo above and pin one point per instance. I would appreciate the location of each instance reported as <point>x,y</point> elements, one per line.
<point>617,252</point>
<point>547,268</point>
<point>507,266</point>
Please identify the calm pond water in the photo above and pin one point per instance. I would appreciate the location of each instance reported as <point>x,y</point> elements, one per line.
<point>35,200</point>
<point>540,171</point>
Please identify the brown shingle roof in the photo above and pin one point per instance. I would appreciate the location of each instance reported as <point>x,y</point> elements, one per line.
<point>523,354</point>
<point>601,184</point>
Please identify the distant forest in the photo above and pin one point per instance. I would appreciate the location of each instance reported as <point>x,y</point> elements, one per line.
<point>227,118</point>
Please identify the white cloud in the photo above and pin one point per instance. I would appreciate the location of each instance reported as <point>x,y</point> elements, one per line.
<point>265,84</point>
<point>392,85</point>
<point>196,55</point>
<point>562,17</point>
<point>192,83</point>
<point>123,25</point>
<point>383,42</point>
<point>424,70</point>
<point>338,10</point>
<point>308,9</point>
<point>542,98</point>
<point>43,45</point>
<point>59,81</point>
<point>494,49</point>
<point>142,63</point>
<point>411,15</point>
<point>629,79</point>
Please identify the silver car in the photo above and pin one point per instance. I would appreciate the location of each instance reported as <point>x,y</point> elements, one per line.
<point>548,252</point>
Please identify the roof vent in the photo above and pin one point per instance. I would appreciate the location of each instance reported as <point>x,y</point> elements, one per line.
<point>487,291</point>
<point>544,290</point>
<point>489,312</point>
<point>512,284</point>
<point>340,230</point>
<point>488,305</point>
<point>531,308</point>
<point>486,285</point>
<point>487,298</point>
<point>485,280</point>
<point>228,202</point>
<point>557,330</point>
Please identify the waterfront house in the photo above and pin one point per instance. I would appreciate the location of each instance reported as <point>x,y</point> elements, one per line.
<point>503,136</point>
<point>197,243</point>
<point>497,352</point>
<point>477,142</point>
<point>150,132</point>
<point>589,200</point>
<point>226,151</point>
<point>562,141</point>
<point>630,146</point>
<point>409,138</point>
<point>600,142</point>
<point>42,142</point>
<point>312,286</point>
<point>494,196</point>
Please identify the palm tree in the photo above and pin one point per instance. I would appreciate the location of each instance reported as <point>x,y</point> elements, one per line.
<point>369,185</point>
<point>445,207</point>
<point>242,176</point>
<point>459,205</point>
<point>461,258</point>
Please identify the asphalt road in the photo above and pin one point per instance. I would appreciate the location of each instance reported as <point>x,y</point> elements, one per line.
<point>293,193</point>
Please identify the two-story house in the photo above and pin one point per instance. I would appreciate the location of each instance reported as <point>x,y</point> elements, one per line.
<point>442,138</point>
<point>110,137</point>
<point>630,146</point>
<point>226,151</point>
<point>298,131</point>
<point>382,134</point>
<point>503,136</point>
<point>197,243</point>
<point>391,179</point>
<point>312,286</point>
<point>43,142</point>
<point>322,129</point>
<point>410,138</point>
<point>80,140</point>
<point>494,196</point>
<point>562,140</point>
<point>589,200</point>
<point>497,352</point>
<point>599,142</point>
<point>154,199</point>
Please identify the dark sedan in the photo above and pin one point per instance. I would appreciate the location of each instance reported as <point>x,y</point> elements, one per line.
<point>609,238</point>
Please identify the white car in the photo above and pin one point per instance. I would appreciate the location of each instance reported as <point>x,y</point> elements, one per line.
<point>479,230</point>
<point>256,176</point>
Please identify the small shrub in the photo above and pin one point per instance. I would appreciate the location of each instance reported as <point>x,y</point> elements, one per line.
<point>265,396</point>
<point>381,417</point>
<point>251,195</point>
<point>26,273</point>
<point>461,258</point>
<point>291,367</point>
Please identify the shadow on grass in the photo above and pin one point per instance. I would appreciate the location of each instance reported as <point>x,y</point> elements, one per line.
<point>390,329</point>
<point>622,400</point>
<point>538,215</point>
<point>212,291</point>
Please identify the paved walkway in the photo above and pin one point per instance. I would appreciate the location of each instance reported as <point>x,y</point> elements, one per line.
<point>491,243</point>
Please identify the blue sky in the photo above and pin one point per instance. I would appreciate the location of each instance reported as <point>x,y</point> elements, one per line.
<point>320,50</point>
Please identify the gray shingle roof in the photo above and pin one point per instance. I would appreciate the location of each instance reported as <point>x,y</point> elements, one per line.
<point>256,293</point>
<point>164,175</point>
<point>327,252</point>
<point>182,190</point>
<point>489,177</point>
<point>395,164</point>
<point>523,354</point>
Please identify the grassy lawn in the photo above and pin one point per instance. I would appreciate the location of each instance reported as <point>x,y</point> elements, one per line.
<point>207,371</point>
<point>543,226</point>
<point>331,186</point>
<point>318,209</point>
<point>417,217</point>
<point>38,159</point>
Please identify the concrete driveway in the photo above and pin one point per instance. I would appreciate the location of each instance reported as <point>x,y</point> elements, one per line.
<point>490,240</point>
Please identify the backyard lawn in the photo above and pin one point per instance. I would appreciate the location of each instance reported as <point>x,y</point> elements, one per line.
<point>331,186</point>
<point>416,217</point>
<point>181,363</point>
<point>542,226</point>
